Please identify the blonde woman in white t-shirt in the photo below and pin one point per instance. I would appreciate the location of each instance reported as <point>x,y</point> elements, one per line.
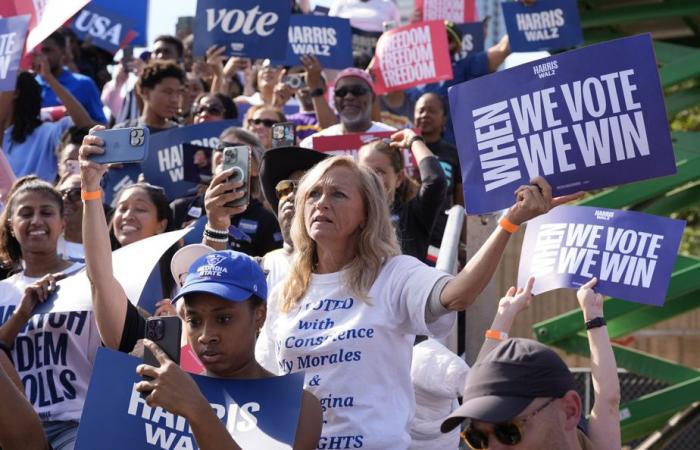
<point>350,308</point>
<point>55,352</point>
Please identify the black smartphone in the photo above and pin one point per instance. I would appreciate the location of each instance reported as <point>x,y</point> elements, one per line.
<point>238,159</point>
<point>123,145</point>
<point>283,135</point>
<point>127,56</point>
<point>166,332</point>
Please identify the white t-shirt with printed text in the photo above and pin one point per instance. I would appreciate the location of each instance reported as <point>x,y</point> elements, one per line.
<point>54,353</point>
<point>357,355</point>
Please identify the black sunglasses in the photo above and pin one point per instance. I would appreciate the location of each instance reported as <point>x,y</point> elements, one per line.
<point>209,109</point>
<point>356,91</point>
<point>507,433</point>
<point>70,194</point>
<point>267,122</point>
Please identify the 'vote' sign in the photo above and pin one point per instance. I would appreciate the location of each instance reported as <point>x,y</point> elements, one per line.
<point>632,254</point>
<point>546,25</point>
<point>412,55</point>
<point>252,28</point>
<point>103,28</point>
<point>327,38</point>
<point>585,119</point>
<point>13,30</point>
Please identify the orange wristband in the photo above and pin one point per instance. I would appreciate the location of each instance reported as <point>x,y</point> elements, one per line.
<point>509,226</point>
<point>496,335</point>
<point>90,195</point>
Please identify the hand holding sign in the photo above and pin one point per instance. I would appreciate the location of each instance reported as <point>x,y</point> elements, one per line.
<point>535,199</point>
<point>171,388</point>
<point>591,302</point>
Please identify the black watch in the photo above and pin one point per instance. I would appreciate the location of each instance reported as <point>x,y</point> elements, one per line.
<point>318,92</point>
<point>595,323</point>
<point>414,139</point>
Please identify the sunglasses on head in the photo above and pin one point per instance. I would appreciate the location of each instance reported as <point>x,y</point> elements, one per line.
<point>209,109</point>
<point>507,433</point>
<point>70,194</point>
<point>267,122</point>
<point>356,90</point>
<point>285,188</point>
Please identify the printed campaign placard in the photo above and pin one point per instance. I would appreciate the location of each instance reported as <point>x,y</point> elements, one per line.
<point>632,254</point>
<point>47,17</point>
<point>103,28</point>
<point>249,28</point>
<point>349,145</point>
<point>457,11</point>
<point>197,163</point>
<point>117,179</point>
<point>165,164</point>
<point>13,30</point>
<point>259,414</point>
<point>472,39</point>
<point>584,119</point>
<point>544,25</point>
<point>364,42</point>
<point>412,55</point>
<point>132,266</point>
<point>327,38</point>
<point>136,10</point>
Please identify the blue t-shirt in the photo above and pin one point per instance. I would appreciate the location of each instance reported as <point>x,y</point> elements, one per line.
<point>81,87</point>
<point>37,154</point>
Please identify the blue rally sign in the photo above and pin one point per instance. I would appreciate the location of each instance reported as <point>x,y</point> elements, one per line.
<point>102,27</point>
<point>13,31</point>
<point>165,165</point>
<point>545,25</point>
<point>136,10</point>
<point>632,254</point>
<point>249,28</point>
<point>584,119</point>
<point>472,39</point>
<point>259,414</point>
<point>327,38</point>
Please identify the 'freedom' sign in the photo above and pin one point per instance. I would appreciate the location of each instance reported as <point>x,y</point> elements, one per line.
<point>632,254</point>
<point>327,38</point>
<point>412,55</point>
<point>13,30</point>
<point>545,25</point>
<point>585,119</point>
<point>259,414</point>
<point>458,11</point>
<point>247,28</point>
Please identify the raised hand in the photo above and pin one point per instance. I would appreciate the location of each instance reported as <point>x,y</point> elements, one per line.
<point>590,301</point>
<point>220,192</point>
<point>534,199</point>
<point>91,172</point>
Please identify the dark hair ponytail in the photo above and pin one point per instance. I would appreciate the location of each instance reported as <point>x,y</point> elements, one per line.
<point>26,107</point>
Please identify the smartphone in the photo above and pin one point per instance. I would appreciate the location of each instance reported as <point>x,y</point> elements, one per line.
<point>283,135</point>
<point>123,145</point>
<point>127,56</point>
<point>166,332</point>
<point>295,80</point>
<point>238,159</point>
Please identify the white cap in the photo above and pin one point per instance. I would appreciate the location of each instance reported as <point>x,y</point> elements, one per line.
<point>183,259</point>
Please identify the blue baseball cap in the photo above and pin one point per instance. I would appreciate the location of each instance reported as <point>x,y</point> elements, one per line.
<point>231,275</point>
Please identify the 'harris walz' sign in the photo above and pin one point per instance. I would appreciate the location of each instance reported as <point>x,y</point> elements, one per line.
<point>585,119</point>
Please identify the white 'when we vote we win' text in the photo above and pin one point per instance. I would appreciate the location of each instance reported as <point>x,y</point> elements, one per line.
<point>531,125</point>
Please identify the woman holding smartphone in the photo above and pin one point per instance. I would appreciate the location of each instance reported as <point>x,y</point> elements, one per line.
<point>221,322</point>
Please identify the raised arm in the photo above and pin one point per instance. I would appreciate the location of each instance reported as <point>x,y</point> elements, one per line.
<point>220,192</point>
<point>108,297</point>
<point>531,201</point>
<point>508,309</point>
<point>604,423</point>
<point>324,113</point>
<point>81,118</point>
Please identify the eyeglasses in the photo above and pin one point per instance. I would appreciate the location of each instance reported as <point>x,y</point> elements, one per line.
<point>356,90</point>
<point>209,109</point>
<point>285,188</point>
<point>507,433</point>
<point>267,122</point>
<point>70,194</point>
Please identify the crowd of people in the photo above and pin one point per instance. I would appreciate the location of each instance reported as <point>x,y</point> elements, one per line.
<point>328,266</point>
